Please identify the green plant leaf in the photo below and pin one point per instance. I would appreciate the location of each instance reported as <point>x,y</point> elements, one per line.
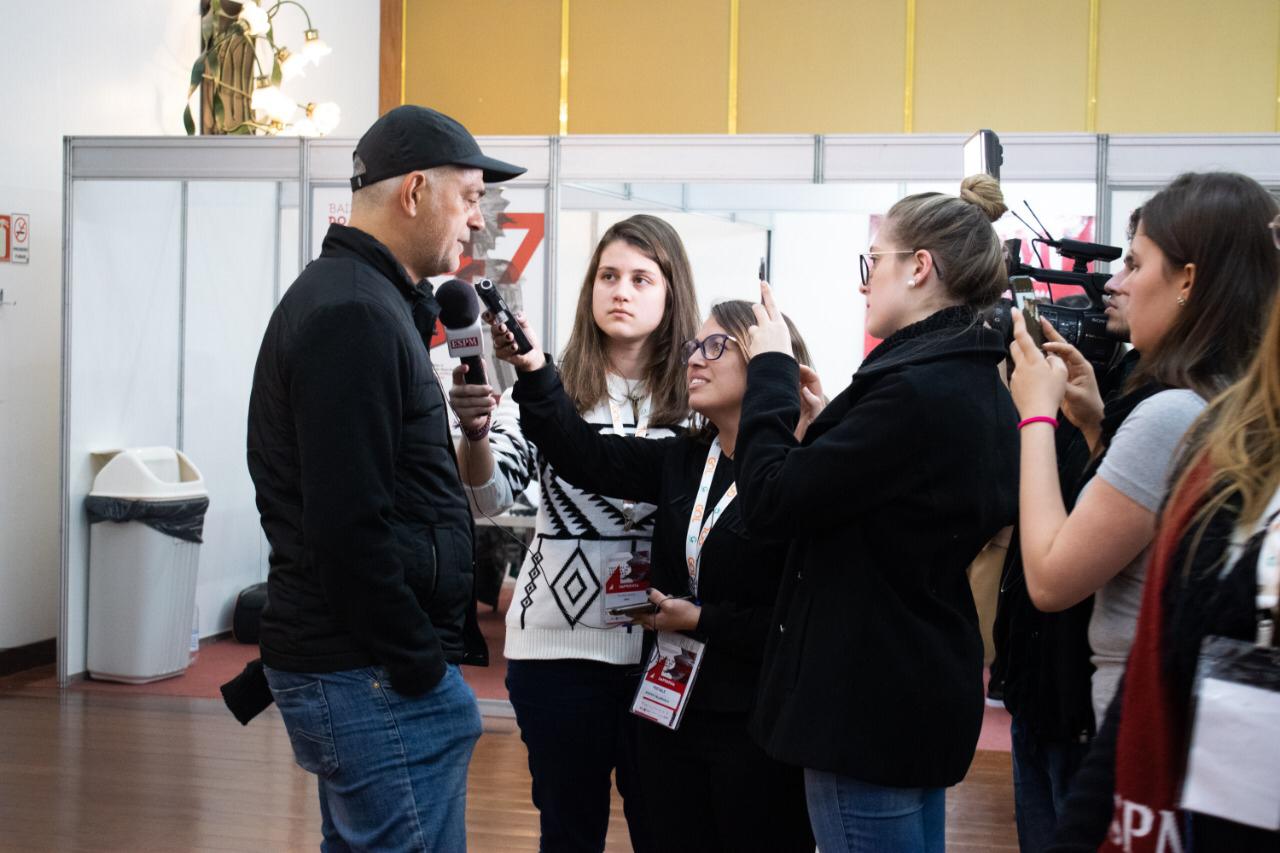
<point>277,74</point>
<point>188,122</point>
<point>197,72</point>
<point>219,109</point>
<point>213,64</point>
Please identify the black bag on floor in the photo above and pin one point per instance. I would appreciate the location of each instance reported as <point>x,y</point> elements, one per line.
<point>248,612</point>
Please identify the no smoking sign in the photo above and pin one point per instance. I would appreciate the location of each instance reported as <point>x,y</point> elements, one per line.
<point>15,238</point>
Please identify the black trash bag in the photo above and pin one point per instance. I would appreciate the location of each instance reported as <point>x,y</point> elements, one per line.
<point>182,519</point>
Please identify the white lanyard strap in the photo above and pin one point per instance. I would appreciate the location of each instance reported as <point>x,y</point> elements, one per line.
<point>700,523</point>
<point>1268,592</point>
<point>642,429</point>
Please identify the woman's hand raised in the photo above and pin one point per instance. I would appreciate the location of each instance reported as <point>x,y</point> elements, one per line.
<point>770,332</point>
<point>504,345</point>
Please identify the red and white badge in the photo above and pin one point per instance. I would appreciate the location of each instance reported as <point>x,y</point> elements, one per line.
<point>668,680</point>
<point>626,584</point>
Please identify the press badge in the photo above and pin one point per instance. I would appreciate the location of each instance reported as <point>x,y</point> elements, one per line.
<point>626,584</point>
<point>1233,766</point>
<point>668,680</point>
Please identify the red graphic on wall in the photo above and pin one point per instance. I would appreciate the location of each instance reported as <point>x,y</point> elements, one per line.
<point>5,231</point>
<point>477,264</point>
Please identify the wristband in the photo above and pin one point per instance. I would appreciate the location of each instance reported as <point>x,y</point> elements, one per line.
<point>479,433</point>
<point>1039,419</point>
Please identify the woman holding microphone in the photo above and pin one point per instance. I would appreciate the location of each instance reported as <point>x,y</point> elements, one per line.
<point>571,670</point>
<point>872,677</point>
<point>706,785</point>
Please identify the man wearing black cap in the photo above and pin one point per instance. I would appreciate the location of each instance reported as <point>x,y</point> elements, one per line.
<point>370,607</point>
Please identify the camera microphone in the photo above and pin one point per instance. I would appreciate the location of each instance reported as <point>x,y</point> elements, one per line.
<point>460,316</point>
<point>502,314</point>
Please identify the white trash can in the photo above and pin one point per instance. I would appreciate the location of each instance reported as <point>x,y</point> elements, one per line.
<point>146,513</point>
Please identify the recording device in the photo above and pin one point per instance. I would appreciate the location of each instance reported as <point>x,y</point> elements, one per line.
<point>460,316</point>
<point>1083,328</point>
<point>497,306</point>
<point>983,154</point>
<point>642,609</point>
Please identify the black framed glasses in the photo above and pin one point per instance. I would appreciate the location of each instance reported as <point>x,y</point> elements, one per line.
<point>712,346</point>
<point>867,262</point>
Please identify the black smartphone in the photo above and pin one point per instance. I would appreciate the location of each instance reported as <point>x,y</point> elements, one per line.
<point>642,609</point>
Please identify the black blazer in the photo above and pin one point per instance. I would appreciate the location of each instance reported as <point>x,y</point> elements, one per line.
<point>738,581</point>
<point>873,668</point>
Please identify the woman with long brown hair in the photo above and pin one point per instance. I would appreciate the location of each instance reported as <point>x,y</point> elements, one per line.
<point>571,668</point>
<point>1213,574</point>
<point>1201,286</point>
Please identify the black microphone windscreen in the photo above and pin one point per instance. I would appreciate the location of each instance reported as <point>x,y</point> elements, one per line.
<point>459,305</point>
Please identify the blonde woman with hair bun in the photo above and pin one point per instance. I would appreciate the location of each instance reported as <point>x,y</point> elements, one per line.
<point>889,496</point>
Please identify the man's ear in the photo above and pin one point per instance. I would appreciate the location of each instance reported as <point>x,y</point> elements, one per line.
<point>412,190</point>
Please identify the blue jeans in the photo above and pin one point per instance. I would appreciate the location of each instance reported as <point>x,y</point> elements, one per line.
<point>392,769</point>
<point>575,719</point>
<point>849,816</point>
<point>1042,774</point>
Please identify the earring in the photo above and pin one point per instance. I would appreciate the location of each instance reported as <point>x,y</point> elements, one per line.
<point>911,282</point>
<point>1182,302</point>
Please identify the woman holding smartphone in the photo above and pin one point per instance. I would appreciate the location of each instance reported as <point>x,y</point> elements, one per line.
<point>571,669</point>
<point>872,677</point>
<point>707,785</point>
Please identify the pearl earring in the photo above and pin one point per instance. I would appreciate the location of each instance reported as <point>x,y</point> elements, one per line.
<point>1182,302</point>
<point>911,282</point>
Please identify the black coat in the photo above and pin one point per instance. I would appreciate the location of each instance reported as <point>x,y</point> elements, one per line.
<point>739,575</point>
<point>357,486</point>
<point>873,667</point>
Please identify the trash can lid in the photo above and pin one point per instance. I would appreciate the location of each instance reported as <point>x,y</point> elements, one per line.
<point>147,474</point>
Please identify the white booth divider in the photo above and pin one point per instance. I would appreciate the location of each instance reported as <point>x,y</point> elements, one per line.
<point>176,250</point>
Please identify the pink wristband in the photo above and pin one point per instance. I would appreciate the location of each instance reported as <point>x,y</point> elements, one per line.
<point>1039,419</point>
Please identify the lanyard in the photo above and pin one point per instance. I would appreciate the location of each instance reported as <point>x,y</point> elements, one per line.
<point>1268,581</point>
<point>642,429</point>
<point>700,523</point>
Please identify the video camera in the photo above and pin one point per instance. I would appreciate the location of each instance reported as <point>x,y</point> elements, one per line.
<point>1083,328</point>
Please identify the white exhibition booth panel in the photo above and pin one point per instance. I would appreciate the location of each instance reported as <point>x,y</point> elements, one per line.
<point>177,249</point>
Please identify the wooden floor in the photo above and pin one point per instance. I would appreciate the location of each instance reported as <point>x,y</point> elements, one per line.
<point>93,771</point>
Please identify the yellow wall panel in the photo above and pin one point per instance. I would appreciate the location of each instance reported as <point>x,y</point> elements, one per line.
<point>658,66</point>
<point>821,66</point>
<point>492,64</point>
<point>1010,65</point>
<point>1187,66</point>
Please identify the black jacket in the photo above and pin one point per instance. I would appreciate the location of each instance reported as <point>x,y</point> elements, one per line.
<point>349,450</point>
<point>873,668</point>
<point>739,575</point>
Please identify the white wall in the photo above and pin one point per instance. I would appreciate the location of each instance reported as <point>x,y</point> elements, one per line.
<point>74,68</point>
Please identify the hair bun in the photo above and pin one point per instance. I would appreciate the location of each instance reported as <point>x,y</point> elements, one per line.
<point>983,192</point>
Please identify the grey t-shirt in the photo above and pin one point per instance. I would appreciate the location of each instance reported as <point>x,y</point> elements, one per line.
<point>1138,464</point>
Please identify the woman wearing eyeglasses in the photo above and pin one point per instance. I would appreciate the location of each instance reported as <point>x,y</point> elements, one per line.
<point>872,677</point>
<point>706,785</point>
<point>571,672</point>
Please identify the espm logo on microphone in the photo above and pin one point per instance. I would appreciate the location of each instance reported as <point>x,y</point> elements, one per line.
<point>468,343</point>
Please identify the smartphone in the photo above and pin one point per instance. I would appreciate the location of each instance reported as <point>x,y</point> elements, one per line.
<point>763,270</point>
<point>983,154</point>
<point>642,609</point>
<point>1024,296</point>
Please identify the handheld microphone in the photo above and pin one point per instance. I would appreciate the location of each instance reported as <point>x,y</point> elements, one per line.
<point>502,314</point>
<point>460,316</point>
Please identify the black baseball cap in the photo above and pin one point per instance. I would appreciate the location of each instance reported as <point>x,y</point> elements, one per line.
<point>410,137</point>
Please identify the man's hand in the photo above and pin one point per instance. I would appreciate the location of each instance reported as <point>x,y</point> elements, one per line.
<point>472,404</point>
